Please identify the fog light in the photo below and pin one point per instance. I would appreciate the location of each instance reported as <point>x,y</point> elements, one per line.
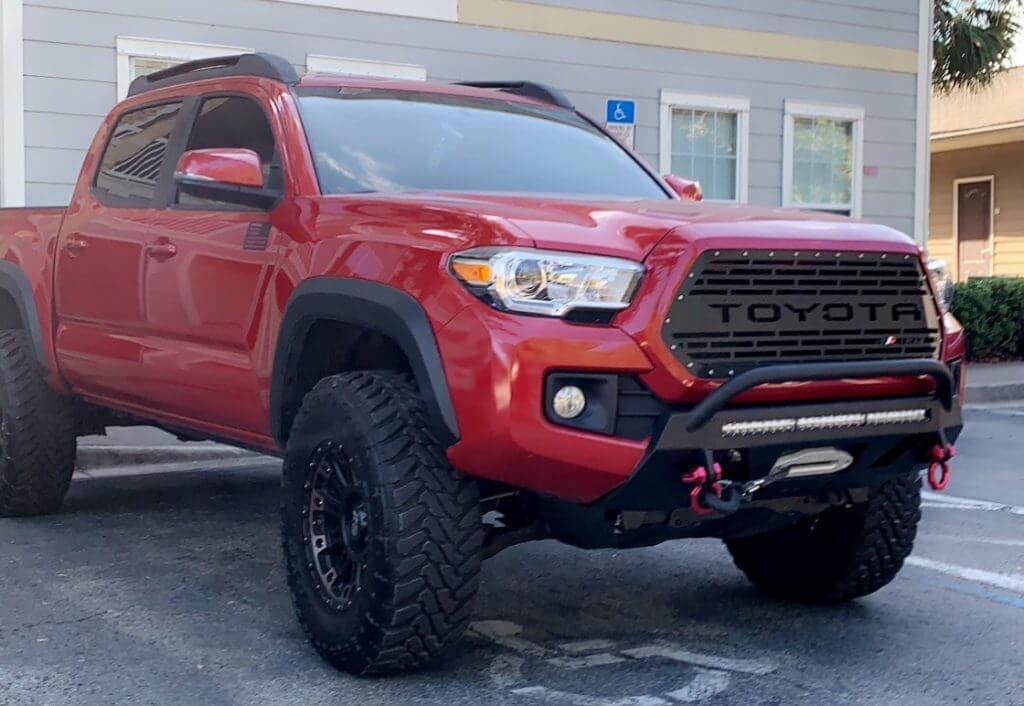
<point>569,402</point>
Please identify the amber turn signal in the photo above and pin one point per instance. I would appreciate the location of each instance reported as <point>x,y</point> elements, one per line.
<point>477,274</point>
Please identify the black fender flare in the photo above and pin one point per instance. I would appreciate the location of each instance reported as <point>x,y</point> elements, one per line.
<point>376,306</point>
<point>14,281</point>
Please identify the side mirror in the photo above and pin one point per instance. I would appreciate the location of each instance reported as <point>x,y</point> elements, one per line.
<point>685,189</point>
<point>228,175</point>
<point>945,287</point>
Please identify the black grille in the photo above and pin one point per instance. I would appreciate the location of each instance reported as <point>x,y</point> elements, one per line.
<point>738,310</point>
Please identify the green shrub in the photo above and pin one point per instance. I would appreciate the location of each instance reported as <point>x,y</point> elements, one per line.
<point>992,313</point>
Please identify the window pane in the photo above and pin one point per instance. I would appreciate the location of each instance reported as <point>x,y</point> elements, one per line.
<point>236,123</point>
<point>802,182</point>
<point>681,164</point>
<point>380,140</point>
<point>233,122</point>
<point>682,132</point>
<point>144,67</point>
<point>704,148</point>
<point>135,154</point>
<point>703,133</point>
<point>724,187</point>
<point>725,134</point>
<point>704,172</point>
<point>822,162</point>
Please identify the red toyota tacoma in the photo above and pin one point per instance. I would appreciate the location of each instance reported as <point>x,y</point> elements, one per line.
<point>466,317</point>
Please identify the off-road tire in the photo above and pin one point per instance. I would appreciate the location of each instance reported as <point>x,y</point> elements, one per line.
<point>842,554</point>
<point>37,433</point>
<point>421,562</point>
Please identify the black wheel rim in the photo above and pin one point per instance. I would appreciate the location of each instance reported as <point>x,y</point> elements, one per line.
<point>337,526</point>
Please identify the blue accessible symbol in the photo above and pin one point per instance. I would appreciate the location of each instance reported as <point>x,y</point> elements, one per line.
<point>621,112</point>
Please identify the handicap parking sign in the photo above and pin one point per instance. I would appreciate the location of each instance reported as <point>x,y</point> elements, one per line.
<point>621,112</point>
<point>620,121</point>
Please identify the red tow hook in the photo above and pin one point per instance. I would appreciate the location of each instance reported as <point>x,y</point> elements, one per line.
<point>698,478</point>
<point>938,471</point>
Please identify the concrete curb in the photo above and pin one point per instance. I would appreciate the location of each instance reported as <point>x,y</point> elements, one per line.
<point>106,456</point>
<point>254,463</point>
<point>1007,392</point>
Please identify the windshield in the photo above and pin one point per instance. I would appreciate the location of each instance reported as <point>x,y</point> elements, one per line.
<point>366,140</point>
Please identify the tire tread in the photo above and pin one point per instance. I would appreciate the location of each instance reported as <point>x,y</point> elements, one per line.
<point>432,531</point>
<point>845,554</point>
<point>38,433</point>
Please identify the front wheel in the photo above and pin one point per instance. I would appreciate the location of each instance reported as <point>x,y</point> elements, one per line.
<point>382,538</point>
<point>842,554</point>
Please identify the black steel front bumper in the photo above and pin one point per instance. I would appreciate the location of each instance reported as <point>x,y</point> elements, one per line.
<point>880,451</point>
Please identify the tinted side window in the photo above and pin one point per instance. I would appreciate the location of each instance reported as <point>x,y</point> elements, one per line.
<point>231,121</point>
<point>234,122</point>
<point>130,168</point>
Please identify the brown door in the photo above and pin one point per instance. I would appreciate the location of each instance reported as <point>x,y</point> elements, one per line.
<point>974,226</point>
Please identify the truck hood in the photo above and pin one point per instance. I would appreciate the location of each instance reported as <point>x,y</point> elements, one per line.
<point>631,229</point>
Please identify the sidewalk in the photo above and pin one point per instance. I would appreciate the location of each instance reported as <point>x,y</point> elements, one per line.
<point>994,382</point>
<point>137,446</point>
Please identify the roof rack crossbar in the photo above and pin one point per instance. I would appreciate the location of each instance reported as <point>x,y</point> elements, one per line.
<point>529,89</point>
<point>259,65</point>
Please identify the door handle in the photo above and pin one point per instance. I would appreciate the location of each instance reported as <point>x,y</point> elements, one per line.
<point>162,250</point>
<point>75,244</point>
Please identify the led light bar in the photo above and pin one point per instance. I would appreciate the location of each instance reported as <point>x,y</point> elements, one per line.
<point>830,421</point>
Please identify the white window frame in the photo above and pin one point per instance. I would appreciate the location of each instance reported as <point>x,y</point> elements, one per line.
<point>429,9</point>
<point>129,48</point>
<point>846,113</point>
<point>320,63</point>
<point>671,99</point>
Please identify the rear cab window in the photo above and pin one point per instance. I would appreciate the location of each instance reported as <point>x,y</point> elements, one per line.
<point>133,161</point>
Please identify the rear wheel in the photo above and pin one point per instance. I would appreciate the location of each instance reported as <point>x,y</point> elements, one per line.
<point>37,434</point>
<point>382,538</point>
<point>840,555</point>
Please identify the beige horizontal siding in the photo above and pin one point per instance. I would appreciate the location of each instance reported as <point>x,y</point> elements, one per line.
<point>1004,163</point>
<point>620,27</point>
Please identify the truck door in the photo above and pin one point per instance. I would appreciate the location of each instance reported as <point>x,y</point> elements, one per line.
<point>208,268</point>
<point>99,285</point>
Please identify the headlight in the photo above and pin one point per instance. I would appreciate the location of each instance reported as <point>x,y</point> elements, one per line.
<point>547,282</point>
<point>938,270</point>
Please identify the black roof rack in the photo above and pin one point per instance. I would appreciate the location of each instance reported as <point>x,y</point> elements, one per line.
<point>260,65</point>
<point>537,91</point>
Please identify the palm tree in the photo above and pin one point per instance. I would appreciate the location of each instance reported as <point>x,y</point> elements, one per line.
<point>972,41</point>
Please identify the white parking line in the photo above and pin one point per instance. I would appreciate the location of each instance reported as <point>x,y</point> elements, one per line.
<point>707,684</point>
<point>746,666</point>
<point>708,676</point>
<point>953,502</point>
<point>978,540</point>
<point>1004,412</point>
<point>1009,582</point>
<point>543,693</point>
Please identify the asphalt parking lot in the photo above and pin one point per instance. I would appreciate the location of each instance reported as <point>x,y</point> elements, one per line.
<point>157,588</point>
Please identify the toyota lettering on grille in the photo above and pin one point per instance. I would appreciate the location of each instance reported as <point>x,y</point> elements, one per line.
<point>836,312</point>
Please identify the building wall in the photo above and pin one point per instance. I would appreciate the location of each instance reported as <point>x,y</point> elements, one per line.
<point>1004,163</point>
<point>856,53</point>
